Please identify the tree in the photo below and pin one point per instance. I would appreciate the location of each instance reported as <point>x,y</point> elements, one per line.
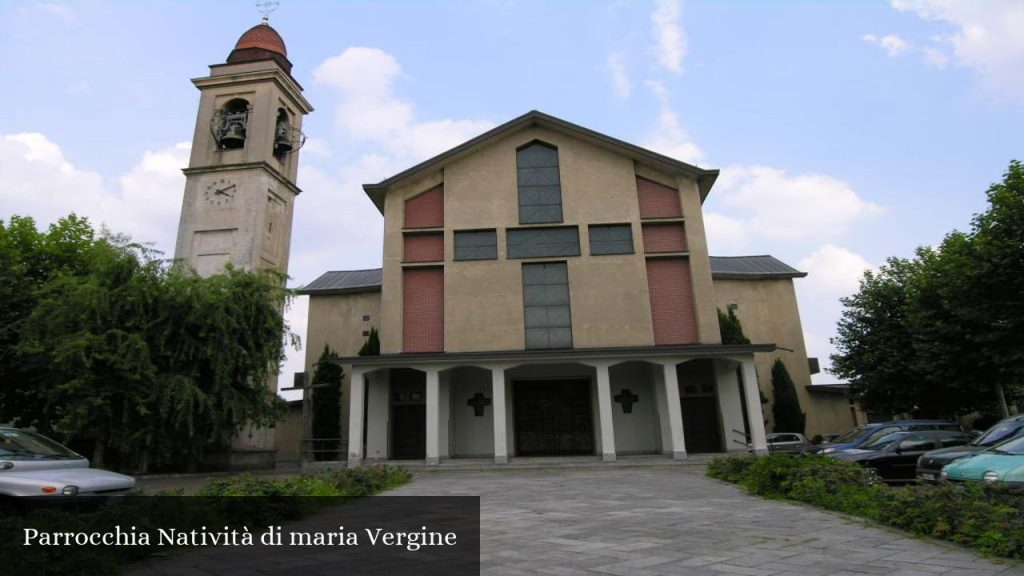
<point>371,347</point>
<point>786,406</point>
<point>731,328</point>
<point>938,335</point>
<point>112,344</point>
<point>326,385</point>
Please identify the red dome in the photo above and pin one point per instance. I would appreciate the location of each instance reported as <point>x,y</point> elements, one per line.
<point>259,43</point>
<point>264,37</point>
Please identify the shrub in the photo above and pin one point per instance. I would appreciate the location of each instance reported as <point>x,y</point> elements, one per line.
<point>987,518</point>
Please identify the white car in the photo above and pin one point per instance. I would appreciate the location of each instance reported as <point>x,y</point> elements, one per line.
<point>33,465</point>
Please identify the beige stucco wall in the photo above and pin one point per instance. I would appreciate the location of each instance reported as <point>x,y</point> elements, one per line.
<point>483,299</point>
<point>337,321</point>
<point>769,314</point>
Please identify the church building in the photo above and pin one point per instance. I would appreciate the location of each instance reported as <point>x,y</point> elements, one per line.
<point>545,289</point>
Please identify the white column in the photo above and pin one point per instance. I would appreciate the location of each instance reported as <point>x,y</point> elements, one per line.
<point>357,391</point>
<point>730,405</point>
<point>433,417</point>
<point>604,406</point>
<point>754,414</point>
<point>675,410</point>
<point>498,405</point>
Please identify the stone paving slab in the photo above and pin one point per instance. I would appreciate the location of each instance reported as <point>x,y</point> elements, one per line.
<point>674,521</point>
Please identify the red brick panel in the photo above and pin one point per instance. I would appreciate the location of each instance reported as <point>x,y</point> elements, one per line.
<point>664,238</point>
<point>657,200</point>
<point>672,310</point>
<point>423,310</point>
<point>423,248</point>
<point>425,210</point>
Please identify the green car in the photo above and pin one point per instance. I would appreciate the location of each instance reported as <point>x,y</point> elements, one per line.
<point>1003,463</point>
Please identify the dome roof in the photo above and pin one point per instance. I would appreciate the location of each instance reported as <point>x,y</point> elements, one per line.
<point>264,37</point>
<point>261,42</point>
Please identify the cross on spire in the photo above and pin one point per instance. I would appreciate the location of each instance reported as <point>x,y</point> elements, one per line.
<point>266,8</point>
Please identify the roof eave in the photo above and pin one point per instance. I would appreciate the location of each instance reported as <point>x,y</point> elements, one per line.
<point>336,291</point>
<point>765,276</point>
<point>705,177</point>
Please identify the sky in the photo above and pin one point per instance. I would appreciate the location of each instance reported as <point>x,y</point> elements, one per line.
<point>846,132</point>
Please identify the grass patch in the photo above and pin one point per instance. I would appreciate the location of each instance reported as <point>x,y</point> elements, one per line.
<point>988,518</point>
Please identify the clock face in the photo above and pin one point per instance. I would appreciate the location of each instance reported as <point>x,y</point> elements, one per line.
<point>220,192</point>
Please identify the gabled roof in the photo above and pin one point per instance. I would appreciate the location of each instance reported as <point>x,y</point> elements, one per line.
<point>705,178</point>
<point>751,268</point>
<point>725,267</point>
<point>344,282</point>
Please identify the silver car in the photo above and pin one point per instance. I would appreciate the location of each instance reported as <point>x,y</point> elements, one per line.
<point>33,465</point>
<point>787,443</point>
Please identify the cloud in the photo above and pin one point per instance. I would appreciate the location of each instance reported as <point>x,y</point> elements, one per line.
<point>370,111</point>
<point>986,38</point>
<point>60,11</point>
<point>832,273</point>
<point>668,136</point>
<point>37,180</point>
<point>772,204</point>
<point>893,44</point>
<point>935,58</point>
<point>670,40</point>
<point>621,83</point>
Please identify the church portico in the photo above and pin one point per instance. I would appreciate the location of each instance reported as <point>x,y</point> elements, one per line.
<point>673,401</point>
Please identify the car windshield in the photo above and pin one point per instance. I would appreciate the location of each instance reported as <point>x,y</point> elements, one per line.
<point>1014,446</point>
<point>22,444</point>
<point>882,442</point>
<point>999,432</point>
<point>851,435</point>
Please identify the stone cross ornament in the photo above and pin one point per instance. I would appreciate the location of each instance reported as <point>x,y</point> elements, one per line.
<point>478,402</point>
<point>627,399</point>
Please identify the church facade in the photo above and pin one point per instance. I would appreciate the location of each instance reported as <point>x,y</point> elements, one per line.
<point>546,290</point>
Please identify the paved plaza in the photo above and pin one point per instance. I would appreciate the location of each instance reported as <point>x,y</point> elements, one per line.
<point>674,520</point>
<point>637,521</point>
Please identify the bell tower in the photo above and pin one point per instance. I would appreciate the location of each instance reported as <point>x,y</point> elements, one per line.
<point>240,182</point>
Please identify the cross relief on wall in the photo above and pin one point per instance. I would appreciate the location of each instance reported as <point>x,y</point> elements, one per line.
<point>627,399</point>
<point>478,402</point>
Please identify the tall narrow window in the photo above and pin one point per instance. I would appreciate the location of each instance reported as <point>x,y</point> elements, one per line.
<point>540,191</point>
<point>547,317</point>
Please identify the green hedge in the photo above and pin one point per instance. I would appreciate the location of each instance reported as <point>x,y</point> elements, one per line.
<point>987,518</point>
<point>266,502</point>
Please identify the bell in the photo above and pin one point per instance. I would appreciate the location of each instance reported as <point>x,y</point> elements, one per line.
<point>282,144</point>
<point>234,136</point>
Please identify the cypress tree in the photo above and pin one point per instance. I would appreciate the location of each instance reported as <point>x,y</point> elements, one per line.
<point>731,328</point>
<point>326,384</point>
<point>786,407</point>
<point>372,345</point>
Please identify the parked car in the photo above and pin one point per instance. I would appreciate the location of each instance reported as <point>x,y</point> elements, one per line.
<point>869,432</point>
<point>824,438</point>
<point>787,443</point>
<point>894,456</point>
<point>33,465</point>
<point>931,463</point>
<point>1002,463</point>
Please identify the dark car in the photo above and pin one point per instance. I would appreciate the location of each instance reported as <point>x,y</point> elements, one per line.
<point>894,456</point>
<point>869,432</point>
<point>930,465</point>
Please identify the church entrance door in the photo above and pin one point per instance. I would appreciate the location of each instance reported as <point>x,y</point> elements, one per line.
<point>408,415</point>
<point>553,417</point>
